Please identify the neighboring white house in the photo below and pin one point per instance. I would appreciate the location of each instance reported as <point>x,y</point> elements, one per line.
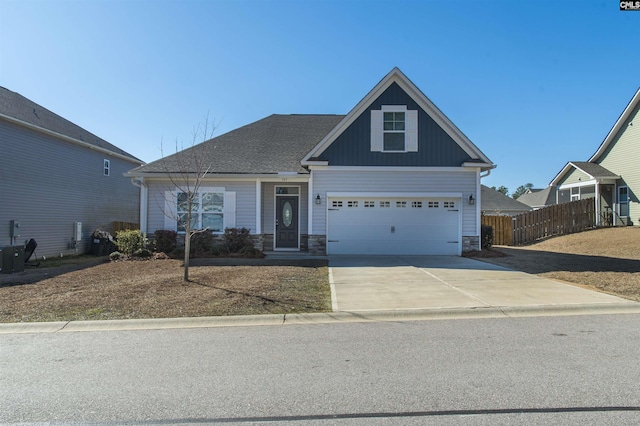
<point>393,176</point>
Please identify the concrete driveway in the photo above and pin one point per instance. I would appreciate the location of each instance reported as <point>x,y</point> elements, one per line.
<point>363,283</point>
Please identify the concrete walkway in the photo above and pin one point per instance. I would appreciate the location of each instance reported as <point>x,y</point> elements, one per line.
<point>365,283</point>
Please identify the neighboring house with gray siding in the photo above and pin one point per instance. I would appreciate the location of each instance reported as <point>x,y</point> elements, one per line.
<point>393,176</point>
<point>612,174</point>
<point>53,175</point>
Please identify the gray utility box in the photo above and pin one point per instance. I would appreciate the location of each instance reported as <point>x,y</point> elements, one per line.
<point>12,259</point>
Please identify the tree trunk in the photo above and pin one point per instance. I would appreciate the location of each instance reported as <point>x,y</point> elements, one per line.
<point>187,250</point>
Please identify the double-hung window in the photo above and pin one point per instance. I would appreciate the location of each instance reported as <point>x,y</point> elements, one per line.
<point>207,211</point>
<point>623,201</point>
<point>211,208</point>
<point>394,129</point>
<point>106,169</point>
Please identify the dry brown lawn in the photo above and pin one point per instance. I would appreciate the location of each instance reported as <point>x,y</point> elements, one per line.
<point>606,259</point>
<point>154,289</point>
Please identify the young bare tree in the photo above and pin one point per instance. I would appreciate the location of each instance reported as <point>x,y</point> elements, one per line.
<point>186,171</point>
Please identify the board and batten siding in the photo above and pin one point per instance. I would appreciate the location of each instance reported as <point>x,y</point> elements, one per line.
<point>47,184</point>
<point>245,202</point>
<point>395,181</point>
<point>435,147</point>
<point>623,159</point>
<point>268,206</point>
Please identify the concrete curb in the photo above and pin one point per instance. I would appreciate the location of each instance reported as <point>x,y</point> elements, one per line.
<point>322,318</point>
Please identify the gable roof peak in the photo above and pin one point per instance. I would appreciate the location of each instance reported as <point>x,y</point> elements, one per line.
<point>397,76</point>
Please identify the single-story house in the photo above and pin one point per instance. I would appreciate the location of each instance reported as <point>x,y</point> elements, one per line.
<point>495,203</point>
<point>58,182</point>
<point>393,176</point>
<point>538,198</point>
<point>612,174</point>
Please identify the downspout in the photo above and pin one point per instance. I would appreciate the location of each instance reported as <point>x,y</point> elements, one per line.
<point>139,182</point>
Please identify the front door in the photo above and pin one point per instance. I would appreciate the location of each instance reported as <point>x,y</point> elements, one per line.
<point>286,222</point>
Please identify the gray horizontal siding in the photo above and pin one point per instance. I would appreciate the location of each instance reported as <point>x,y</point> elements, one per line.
<point>435,147</point>
<point>48,184</point>
<point>245,202</point>
<point>397,181</point>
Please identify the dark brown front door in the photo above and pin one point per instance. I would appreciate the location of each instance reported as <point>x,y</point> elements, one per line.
<point>286,222</point>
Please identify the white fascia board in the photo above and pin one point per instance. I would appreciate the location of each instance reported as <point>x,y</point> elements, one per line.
<point>590,182</point>
<point>617,127</point>
<point>483,166</point>
<point>397,76</point>
<point>395,194</point>
<point>314,163</point>
<point>392,169</point>
<point>69,139</point>
<point>560,175</point>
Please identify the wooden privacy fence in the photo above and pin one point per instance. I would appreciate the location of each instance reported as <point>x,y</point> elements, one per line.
<point>529,227</point>
<point>502,229</point>
<point>123,226</point>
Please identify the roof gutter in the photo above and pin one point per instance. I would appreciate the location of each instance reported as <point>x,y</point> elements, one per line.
<point>69,139</point>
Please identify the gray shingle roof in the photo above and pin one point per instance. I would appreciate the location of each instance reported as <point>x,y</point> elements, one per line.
<point>277,143</point>
<point>495,201</point>
<point>17,106</point>
<point>539,197</point>
<point>595,170</point>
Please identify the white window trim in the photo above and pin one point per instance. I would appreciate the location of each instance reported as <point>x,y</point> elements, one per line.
<point>620,203</point>
<point>106,167</point>
<point>410,129</point>
<point>228,208</point>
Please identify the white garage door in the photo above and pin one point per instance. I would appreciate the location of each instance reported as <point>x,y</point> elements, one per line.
<point>410,226</point>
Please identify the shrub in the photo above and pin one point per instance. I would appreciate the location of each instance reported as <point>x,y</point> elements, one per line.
<point>219,250</point>
<point>142,253</point>
<point>165,240</point>
<point>486,236</point>
<point>237,239</point>
<point>116,255</point>
<point>251,252</point>
<point>129,241</point>
<point>201,243</point>
<point>177,253</point>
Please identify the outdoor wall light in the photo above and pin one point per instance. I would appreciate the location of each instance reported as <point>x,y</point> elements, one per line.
<point>318,201</point>
<point>472,200</point>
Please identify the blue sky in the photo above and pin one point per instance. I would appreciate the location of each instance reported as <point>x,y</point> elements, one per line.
<point>533,84</point>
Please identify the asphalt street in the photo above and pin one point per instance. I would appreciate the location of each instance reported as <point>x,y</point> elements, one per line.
<point>562,370</point>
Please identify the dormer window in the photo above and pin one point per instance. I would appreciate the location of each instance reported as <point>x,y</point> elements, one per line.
<point>394,128</point>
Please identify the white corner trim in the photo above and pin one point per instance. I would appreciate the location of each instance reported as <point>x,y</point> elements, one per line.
<point>258,206</point>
